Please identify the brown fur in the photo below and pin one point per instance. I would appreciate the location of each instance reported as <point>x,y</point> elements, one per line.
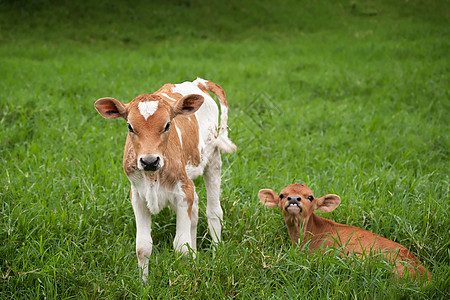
<point>216,89</point>
<point>321,233</point>
<point>191,155</point>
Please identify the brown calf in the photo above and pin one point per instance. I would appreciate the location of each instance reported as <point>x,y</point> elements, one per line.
<point>173,136</point>
<point>297,202</point>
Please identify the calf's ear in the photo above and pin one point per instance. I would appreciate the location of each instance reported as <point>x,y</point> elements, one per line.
<point>328,202</point>
<point>188,105</point>
<point>111,108</point>
<point>268,197</point>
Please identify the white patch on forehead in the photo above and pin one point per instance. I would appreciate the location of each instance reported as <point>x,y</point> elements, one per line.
<point>148,108</point>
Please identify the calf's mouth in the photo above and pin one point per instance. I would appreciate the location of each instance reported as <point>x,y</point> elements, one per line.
<point>293,208</point>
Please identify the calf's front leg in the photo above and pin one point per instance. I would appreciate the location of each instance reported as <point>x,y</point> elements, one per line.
<point>183,239</point>
<point>143,233</point>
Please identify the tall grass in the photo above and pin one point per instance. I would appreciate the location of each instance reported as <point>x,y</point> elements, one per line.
<point>349,97</point>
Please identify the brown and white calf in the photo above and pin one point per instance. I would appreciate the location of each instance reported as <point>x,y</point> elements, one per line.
<point>298,204</point>
<point>173,137</point>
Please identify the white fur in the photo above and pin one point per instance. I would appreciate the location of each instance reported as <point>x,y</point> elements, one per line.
<point>187,88</point>
<point>212,180</point>
<point>156,197</point>
<point>179,135</point>
<point>200,80</point>
<point>144,242</point>
<point>193,171</point>
<point>224,144</point>
<point>148,108</point>
<point>183,237</point>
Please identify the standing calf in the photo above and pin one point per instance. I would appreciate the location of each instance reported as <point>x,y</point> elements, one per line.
<point>297,202</point>
<point>173,137</point>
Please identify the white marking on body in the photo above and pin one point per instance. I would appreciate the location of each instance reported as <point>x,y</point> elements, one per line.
<point>194,171</point>
<point>200,80</point>
<point>187,88</point>
<point>155,196</point>
<point>168,97</point>
<point>179,135</point>
<point>148,108</point>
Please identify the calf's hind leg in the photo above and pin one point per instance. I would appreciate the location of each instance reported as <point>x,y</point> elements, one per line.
<point>212,183</point>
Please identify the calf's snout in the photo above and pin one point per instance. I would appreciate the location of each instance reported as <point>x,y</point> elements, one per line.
<point>293,205</point>
<point>150,163</point>
<point>294,199</point>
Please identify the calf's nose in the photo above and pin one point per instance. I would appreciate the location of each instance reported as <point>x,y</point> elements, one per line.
<point>294,198</point>
<point>150,162</point>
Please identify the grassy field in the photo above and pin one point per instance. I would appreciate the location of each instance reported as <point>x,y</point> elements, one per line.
<point>349,97</point>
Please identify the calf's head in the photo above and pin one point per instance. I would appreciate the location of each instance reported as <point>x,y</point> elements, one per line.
<point>149,120</point>
<point>297,202</point>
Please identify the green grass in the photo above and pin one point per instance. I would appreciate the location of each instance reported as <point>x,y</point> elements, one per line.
<point>349,97</point>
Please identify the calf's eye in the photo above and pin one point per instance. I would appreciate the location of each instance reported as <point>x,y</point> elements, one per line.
<point>167,127</point>
<point>310,198</point>
<point>130,128</point>
<point>281,196</point>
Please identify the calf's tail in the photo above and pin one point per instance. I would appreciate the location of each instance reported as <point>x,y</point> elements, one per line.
<point>222,142</point>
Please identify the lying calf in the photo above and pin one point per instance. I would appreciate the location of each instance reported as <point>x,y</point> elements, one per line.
<point>298,204</point>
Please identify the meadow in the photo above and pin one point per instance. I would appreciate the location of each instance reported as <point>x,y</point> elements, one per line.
<point>350,97</point>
